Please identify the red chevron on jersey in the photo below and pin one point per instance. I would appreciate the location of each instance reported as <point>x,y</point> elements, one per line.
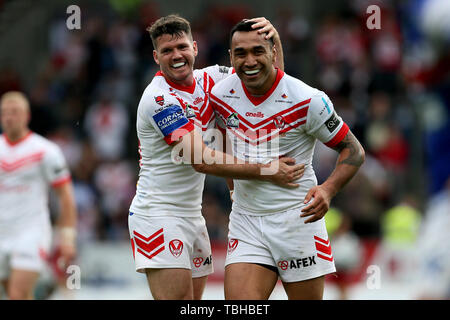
<point>299,110</point>
<point>268,128</point>
<point>203,115</point>
<point>149,246</point>
<point>19,163</point>
<point>132,248</point>
<point>194,120</point>
<point>323,248</point>
<point>206,112</point>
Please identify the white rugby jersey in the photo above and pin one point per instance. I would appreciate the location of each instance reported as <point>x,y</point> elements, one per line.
<point>27,168</point>
<point>286,121</point>
<point>165,113</point>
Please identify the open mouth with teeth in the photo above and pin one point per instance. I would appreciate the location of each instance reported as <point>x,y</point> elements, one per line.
<point>178,65</point>
<point>251,72</point>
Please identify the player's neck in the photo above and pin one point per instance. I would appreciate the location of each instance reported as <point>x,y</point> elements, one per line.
<point>15,137</point>
<point>267,85</point>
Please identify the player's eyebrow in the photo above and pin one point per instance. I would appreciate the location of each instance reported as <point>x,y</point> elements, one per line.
<point>255,48</point>
<point>238,49</point>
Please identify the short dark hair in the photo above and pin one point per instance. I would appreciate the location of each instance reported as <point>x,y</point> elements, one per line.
<point>172,24</point>
<point>245,25</point>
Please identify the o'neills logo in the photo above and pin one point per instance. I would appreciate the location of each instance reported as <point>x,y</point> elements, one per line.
<point>258,114</point>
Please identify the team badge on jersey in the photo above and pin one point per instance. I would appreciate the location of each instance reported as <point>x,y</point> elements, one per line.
<point>279,122</point>
<point>189,111</point>
<point>176,247</point>
<point>233,120</point>
<point>232,245</point>
<point>159,100</point>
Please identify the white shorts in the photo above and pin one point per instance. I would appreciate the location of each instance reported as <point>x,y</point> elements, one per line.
<point>26,249</point>
<point>297,250</point>
<point>170,242</point>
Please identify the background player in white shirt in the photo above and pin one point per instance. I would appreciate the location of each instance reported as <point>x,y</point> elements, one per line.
<point>169,238</point>
<point>272,231</point>
<point>29,164</point>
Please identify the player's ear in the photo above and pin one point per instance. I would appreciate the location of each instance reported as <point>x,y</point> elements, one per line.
<point>194,45</point>
<point>231,57</point>
<point>274,55</point>
<point>155,57</point>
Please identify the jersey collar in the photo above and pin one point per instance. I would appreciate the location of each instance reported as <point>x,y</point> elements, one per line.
<point>15,143</point>
<point>189,89</point>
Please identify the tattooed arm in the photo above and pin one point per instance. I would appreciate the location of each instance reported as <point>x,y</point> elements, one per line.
<point>351,157</point>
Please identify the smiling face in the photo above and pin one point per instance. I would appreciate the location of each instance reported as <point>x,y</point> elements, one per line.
<point>175,55</point>
<point>253,59</point>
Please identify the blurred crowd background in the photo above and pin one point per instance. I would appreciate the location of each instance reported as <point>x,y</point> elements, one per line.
<point>390,85</point>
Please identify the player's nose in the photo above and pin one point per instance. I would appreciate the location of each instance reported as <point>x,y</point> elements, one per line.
<point>176,54</point>
<point>250,61</point>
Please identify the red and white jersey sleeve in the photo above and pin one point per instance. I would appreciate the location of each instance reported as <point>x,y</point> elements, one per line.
<point>167,117</point>
<point>54,166</point>
<point>323,122</point>
<point>286,121</point>
<point>27,169</point>
<point>217,73</point>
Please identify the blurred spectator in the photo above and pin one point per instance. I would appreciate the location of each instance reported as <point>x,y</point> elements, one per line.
<point>106,124</point>
<point>400,226</point>
<point>115,183</point>
<point>347,249</point>
<point>384,138</point>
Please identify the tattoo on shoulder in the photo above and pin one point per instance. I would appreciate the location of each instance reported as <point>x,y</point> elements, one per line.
<point>355,157</point>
